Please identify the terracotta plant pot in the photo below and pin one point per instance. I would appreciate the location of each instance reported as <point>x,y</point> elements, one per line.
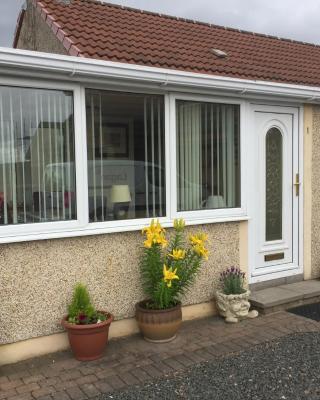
<point>158,326</point>
<point>235,307</point>
<point>88,342</point>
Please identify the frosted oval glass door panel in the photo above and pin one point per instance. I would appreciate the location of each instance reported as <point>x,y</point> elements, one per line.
<point>274,184</point>
<point>274,227</point>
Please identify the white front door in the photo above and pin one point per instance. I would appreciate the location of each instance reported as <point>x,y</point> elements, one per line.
<point>275,190</point>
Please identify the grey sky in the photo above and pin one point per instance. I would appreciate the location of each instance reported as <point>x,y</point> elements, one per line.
<point>294,19</point>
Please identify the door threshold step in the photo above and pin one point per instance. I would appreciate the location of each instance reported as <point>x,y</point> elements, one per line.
<point>285,296</point>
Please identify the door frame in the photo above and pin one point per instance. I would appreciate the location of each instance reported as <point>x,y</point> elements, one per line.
<point>254,197</point>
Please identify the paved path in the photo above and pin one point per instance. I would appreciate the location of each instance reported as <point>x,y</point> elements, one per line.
<point>287,368</point>
<point>130,361</point>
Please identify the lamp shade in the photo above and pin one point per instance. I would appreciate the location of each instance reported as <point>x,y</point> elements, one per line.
<point>120,194</point>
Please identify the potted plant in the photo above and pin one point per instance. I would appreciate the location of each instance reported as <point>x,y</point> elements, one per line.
<point>233,299</point>
<point>87,328</point>
<point>168,268</point>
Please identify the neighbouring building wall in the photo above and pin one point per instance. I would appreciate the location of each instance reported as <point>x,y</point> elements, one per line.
<point>315,193</point>
<point>37,278</point>
<point>36,35</point>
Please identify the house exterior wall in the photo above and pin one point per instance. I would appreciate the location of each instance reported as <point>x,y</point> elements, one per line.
<point>311,191</point>
<point>37,278</point>
<point>36,35</point>
<point>315,192</point>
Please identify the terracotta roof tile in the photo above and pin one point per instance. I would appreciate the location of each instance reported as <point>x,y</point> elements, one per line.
<point>88,28</point>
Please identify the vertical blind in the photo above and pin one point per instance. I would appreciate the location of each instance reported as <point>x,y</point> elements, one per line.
<point>208,156</point>
<point>37,165</point>
<point>154,156</point>
<point>125,136</point>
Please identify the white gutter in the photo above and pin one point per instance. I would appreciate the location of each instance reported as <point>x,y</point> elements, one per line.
<point>24,62</point>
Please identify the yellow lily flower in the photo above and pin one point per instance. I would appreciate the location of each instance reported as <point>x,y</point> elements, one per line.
<point>155,239</point>
<point>201,251</point>
<point>169,275</point>
<point>155,235</point>
<point>179,224</point>
<point>148,243</point>
<point>198,239</point>
<point>154,228</point>
<point>178,254</point>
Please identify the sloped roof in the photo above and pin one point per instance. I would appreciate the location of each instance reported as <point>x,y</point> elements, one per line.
<point>89,28</point>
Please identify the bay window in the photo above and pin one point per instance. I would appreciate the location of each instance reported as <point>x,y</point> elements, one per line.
<point>76,161</point>
<point>37,158</point>
<point>208,155</point>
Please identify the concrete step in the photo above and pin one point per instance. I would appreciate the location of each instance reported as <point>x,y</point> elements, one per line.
<point>286,296</point>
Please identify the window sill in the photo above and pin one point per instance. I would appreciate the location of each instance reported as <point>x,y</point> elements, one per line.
<point>105,228</point>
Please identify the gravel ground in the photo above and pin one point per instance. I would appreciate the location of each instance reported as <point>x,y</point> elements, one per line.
<point>288,368</point>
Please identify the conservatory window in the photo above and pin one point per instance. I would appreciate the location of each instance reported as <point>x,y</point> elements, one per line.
<point>37,161</point>
<point>125,149</point>
<point>208,155</point>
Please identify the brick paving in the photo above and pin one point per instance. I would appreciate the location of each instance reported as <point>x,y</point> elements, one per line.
<point>129,361</point>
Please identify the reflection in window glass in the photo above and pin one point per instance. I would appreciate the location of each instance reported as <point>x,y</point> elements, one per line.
<point>37,174</point>
<point>125,139</point>
<point>273,185</point>
<point>208,155</point>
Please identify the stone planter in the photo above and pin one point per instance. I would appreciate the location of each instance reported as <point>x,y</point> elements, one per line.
<point>234,307</point>
<point>158,326</point>
<point>88,342</point>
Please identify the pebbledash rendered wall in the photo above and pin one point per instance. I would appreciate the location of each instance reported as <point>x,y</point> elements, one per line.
<point>36,278</point>
<point>315,193</point>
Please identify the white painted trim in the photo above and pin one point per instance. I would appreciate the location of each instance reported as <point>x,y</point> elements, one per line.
<point>301,197</point>
<point>79,69</point>
<point>277,275</point>
<point>131,225</point>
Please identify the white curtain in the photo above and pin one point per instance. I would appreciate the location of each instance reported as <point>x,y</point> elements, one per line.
<point>229,156</point>
<point>207,156</point>
<point>189,156</point>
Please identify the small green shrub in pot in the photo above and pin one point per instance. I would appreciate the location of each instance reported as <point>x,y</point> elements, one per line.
<point>87,327</point>
<point>80,310</point>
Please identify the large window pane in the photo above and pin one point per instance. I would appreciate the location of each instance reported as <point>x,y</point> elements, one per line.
<point>37,174</point>
<point>125,139</point>
<point>208,155</point>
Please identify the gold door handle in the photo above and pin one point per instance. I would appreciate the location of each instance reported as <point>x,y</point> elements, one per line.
<point>297,184</point>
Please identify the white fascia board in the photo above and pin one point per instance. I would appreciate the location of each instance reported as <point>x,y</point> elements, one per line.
<point>54,66</point>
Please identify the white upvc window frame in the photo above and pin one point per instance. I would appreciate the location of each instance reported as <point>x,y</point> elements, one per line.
<point>210,215</point>
<point>134,223</point>
<point>40,230</point>
<point>81,226</point>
